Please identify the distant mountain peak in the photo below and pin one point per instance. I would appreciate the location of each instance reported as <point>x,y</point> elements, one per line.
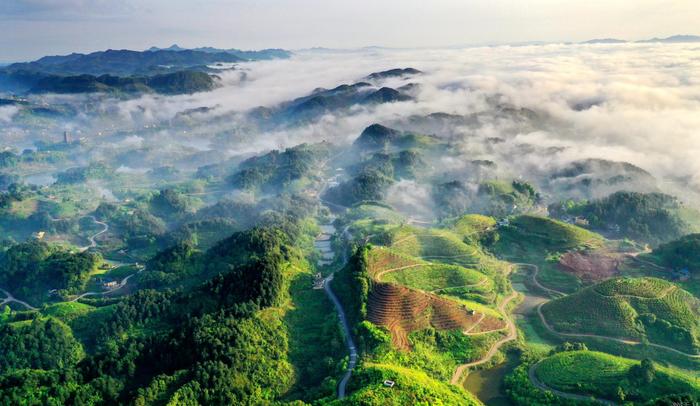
<point>604,41</point>
<point>675,39</point>
<point>173,47</point>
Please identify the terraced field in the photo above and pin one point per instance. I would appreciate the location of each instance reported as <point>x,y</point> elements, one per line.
<point>533,234</point>
<point>631,308</point>
<point>434,277</point>
<point>472,225</point>
<point>439,245</point>
<point>400,299</point>
<point>603,375</point>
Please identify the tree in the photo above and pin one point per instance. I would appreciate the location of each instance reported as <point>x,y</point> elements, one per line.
<point>644,373</point>
<point>620,394</point>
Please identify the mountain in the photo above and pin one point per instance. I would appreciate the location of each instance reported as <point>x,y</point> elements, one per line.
<point>173,47</point>
<point>168,83</point>
<point>122,62</point>
<point>634,308</point>
<point>123,71</point>
<point>590,178</point>
<point>323,101</point>
<point>263,54</point>
<point>674,39</point>
<point>605,41</point>
<point>393,73</point>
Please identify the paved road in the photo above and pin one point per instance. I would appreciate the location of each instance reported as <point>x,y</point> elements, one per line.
<point>348,336</point>
<point>538,384</point>
<point>106,292</point>
<point>11,298</point>
<point>93,243</point>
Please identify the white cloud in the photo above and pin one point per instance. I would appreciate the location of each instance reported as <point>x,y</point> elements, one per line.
<point>7,112</point>
<point>642,102</point>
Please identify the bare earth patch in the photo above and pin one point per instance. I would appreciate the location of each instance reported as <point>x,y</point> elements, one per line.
<point>590,266</point>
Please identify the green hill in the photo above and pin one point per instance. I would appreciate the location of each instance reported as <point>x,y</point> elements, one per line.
<point>681,253</point>
<point>411,388</point>
<point>181,82</point>
<point>528,234</point>
<point>647,217</point>
<point>610,377</point>
<point>631,308</point>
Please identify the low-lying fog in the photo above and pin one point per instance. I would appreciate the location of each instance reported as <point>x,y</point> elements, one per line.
<point>638,103</point>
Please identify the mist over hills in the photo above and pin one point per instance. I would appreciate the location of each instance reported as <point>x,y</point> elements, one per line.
<point>673,39</point>
<point>139,71</point>
<point>375,226</point>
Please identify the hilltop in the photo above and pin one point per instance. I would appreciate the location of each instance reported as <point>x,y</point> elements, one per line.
<point>172,70</point>
<point>630,308</point>
<point>591,373</point>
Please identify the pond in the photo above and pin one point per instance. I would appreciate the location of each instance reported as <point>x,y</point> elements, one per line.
<point>487,384</point>
<point>322,244</point>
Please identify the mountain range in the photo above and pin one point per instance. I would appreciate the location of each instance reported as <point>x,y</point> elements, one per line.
<point>182,70</point>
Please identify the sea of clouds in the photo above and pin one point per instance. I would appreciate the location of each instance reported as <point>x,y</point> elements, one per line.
<point>638,103</point>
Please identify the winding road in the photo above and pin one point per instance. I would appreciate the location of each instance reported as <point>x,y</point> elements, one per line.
<point>93,243</point>
<point>10,299</point>
<point>512,335</point>
<point>106,292</point>
<point>348,336</point>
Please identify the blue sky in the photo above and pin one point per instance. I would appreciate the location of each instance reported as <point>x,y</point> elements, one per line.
<point>32,28</point>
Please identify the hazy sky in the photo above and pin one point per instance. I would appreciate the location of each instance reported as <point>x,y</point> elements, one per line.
<point>32,28</point>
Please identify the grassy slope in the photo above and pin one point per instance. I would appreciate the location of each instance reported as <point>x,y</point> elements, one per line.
<point>412,388</point>
<point>432,277</point>
<point>600,374</point>
<point>471,225</point>
<point>449,261</point>
<point>532,239</point>
<point>445,246</point>
<point>603,309</point>
<point>307,318</point>
<point>542,233</point>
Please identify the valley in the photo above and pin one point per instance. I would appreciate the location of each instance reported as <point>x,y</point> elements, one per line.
<point>376,227</point>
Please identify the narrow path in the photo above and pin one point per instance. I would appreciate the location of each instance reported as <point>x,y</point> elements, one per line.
<point>473,285</point>
<point>536,270</point>
<point>381,273</point>
<point>512,335</point>
<point>584,335</point>
<point>661,295</point>
<point>619,340</point>
<point>573,396</point>
<point>466,332</point>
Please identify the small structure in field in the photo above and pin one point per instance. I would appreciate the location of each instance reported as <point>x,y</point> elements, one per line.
<point>581,221</point>
<point>389,384</point>
<point>318,281</point>
<point>109,285</point>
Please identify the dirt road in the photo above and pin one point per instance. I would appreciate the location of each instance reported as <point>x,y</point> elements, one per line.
<point>512,335</point>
